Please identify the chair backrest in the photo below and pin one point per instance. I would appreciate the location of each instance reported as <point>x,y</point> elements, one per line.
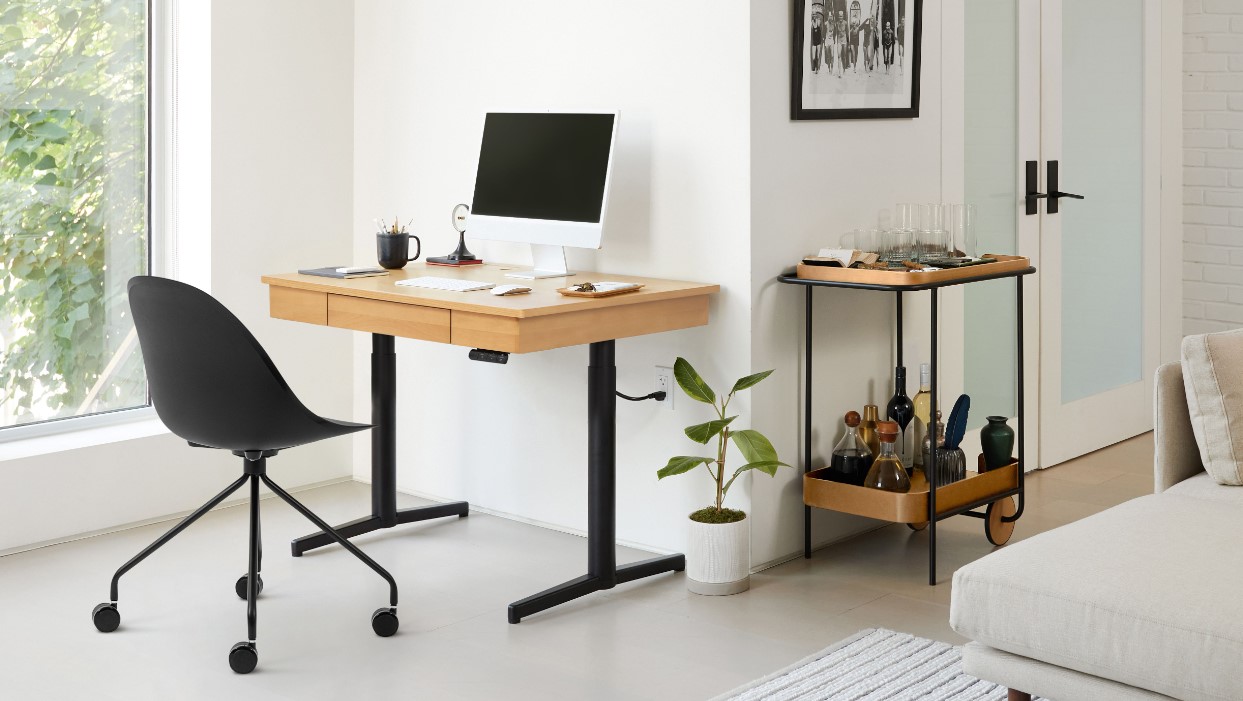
<point>210,380</point>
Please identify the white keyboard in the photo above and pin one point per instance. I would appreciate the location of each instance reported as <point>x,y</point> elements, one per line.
<point>446,283</point>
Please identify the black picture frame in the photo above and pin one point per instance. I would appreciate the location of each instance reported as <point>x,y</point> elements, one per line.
<point>800,113</point>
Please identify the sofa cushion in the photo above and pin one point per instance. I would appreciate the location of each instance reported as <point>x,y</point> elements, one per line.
<point>1144,594</point>
<point>1213,375</point>
<point>1203,487</point>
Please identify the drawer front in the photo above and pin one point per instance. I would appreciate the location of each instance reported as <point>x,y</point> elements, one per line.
<point>389,318</point>
<point>577,328</point>
<point>306,306</point>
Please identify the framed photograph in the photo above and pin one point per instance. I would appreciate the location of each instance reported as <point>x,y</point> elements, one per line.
<point>855,59</point>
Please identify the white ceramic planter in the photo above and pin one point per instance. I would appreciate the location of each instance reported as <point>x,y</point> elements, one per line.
<point>718,558</point>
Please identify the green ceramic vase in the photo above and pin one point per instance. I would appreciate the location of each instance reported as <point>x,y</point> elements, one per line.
<point>997,442</point>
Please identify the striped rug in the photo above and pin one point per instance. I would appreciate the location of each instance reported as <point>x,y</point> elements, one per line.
<point>872,665</point>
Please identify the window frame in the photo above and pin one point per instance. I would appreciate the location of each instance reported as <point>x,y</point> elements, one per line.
<point>160,216</point>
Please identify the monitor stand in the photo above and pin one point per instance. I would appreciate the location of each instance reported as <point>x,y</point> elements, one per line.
<point>547,261</point>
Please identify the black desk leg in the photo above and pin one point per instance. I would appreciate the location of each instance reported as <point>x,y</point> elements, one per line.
<point>384,513</point>
<point>602,570</point>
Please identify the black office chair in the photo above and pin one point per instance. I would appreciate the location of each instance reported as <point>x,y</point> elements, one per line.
<point>213,385</point>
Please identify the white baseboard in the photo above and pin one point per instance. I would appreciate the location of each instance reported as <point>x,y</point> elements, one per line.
<point>163,519</point>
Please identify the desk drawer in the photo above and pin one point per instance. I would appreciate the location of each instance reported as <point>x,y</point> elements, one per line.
<point>390,318</point>
<point>306,306</point>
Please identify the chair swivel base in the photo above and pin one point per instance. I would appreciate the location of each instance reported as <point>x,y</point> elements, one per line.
<point>367,524</point>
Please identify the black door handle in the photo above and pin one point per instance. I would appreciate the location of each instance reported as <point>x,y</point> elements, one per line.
<point>1032,198</point>
<point>1051,176</point>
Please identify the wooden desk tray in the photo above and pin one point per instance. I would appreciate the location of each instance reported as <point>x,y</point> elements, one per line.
<point>912,507</point>
<point>863,276</point>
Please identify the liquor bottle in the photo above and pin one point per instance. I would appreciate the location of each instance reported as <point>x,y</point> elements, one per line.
<point>923,407</point>
<point>925,446</point>
<point>900,410</point>
<point>887,472</point>
<point>867,429</point>
<point>851,458</point>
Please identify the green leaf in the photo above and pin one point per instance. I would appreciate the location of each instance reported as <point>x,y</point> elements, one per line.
<point>750,381</point>
<point>50,130</point>
<point>47,179</point>
<point>46,163</point>
<point>769,468</point>
<point>754,446</point>
<point>79,312</point>
<point>692,383</point>
<point>702,433</point>
<point>680,464</point>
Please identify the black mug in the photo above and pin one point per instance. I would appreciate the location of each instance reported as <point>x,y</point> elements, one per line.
<point>392,250</point>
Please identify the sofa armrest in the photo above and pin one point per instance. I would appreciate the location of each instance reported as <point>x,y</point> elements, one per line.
<point>1177,454</point>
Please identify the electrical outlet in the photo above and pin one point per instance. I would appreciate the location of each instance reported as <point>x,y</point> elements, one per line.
<point>664,383</point>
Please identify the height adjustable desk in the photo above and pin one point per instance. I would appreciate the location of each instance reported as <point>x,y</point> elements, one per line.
<point>527,323</point>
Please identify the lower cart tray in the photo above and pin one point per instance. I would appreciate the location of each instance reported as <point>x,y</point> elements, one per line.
<point>911,507</point>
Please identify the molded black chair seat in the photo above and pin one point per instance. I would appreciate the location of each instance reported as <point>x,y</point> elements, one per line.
<point>213,385</point>
<point>211,382</point>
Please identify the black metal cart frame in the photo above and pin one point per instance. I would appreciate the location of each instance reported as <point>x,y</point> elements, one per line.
<point>932,288</point>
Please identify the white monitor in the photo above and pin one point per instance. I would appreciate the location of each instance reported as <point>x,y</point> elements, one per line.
<point>543,179</point>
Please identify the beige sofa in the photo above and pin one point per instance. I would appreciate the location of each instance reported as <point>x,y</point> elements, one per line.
<point>1141,601</point>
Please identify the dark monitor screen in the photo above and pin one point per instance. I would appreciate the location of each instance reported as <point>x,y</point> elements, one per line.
<point>543,166</point>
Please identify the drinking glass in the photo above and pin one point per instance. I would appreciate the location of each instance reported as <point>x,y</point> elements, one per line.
<point>906,217</point>
<point>962,222</point>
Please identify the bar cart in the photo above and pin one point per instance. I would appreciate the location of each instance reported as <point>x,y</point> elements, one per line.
<point>926,503</point>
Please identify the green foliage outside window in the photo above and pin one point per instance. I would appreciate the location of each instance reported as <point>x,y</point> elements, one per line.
<point>73,204</point>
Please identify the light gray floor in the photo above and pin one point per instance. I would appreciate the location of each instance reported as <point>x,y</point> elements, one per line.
<point>644,640</point>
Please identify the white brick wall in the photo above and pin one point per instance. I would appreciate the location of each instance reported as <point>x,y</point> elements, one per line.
<point>1213,165</point>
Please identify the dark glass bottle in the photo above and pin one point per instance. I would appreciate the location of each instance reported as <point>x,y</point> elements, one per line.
<point>851,458</point>
<point>900,409</point>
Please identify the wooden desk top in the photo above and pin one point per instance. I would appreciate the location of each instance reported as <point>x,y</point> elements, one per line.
<point>524,323</point>
<point>543,299</point>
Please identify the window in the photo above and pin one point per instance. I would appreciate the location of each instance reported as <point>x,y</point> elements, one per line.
<point>74,205</point>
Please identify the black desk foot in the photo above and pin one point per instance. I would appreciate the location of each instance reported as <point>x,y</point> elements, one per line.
<point>588,584</point>
<point>368,524</point>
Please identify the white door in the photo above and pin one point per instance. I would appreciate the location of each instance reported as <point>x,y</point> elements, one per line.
<point>1099,281</point>
<point>1075,83</point>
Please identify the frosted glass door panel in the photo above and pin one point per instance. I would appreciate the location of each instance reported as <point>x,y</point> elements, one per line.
<point>991,164</point>
<point>1102,235</point>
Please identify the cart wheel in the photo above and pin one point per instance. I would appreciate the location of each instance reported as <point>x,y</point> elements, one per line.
<point>917,526</point>
<point>997,531</point>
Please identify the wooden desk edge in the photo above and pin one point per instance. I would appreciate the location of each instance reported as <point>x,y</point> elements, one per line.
<point>565,305</point>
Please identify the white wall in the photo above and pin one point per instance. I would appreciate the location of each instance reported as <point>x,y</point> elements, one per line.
<point>1213,160</point>
<point>281,133</point>
<point>513,438</point>
<point>810,182</point>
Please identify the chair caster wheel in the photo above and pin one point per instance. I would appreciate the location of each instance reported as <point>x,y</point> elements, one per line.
<point>106,617</point>
<point>240,587</point>
<point>384,622</point>
<point>243,658</point>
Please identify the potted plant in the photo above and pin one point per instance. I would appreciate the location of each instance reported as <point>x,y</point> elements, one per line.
<point>719,547</point>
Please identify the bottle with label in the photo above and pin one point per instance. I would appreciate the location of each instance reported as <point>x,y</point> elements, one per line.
<point>900,410</point>
<point>867,428</point>
<point>923,407</point>
<point>851,458</point>
<point>887,471</point>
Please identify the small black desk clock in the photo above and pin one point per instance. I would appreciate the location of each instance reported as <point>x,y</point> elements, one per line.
<point>462,255</point>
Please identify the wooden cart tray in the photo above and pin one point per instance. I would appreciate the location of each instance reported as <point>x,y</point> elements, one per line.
<point>911,507</point>
<point>571,292</point>
<point>863,276</point>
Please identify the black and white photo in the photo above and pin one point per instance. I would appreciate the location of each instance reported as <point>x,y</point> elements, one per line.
<point>855,59</point>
